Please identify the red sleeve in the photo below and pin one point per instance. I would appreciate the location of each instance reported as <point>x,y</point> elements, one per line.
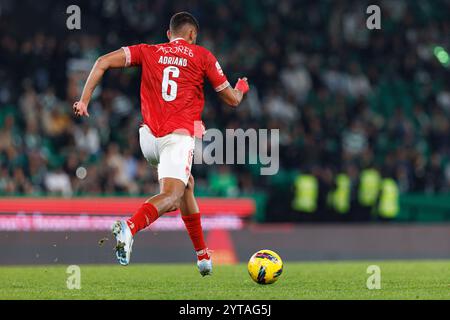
<point>214,73</point>
<point>133,55</point>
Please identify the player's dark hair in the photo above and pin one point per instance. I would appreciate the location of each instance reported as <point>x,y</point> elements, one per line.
<point>180,19</point>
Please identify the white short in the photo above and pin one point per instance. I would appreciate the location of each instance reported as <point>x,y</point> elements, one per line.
<point>171,154</point>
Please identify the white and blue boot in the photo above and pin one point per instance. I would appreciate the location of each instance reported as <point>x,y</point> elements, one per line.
<point>204,265</point>
<point>124,238</point>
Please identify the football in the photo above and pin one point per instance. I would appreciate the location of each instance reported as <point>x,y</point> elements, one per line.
<point>265,266</point>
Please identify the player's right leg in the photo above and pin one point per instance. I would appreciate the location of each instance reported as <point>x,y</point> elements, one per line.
<point>124,231</point>
<point>169,198</point>
<point>173,175</point>
<point>190,214</point>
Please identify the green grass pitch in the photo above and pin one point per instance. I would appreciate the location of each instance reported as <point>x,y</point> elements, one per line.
<point>323,280</point>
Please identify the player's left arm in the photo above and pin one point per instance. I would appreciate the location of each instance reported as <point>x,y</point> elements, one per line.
<point>233,97</point>
<point>115,59</point>
<point>230,96</point>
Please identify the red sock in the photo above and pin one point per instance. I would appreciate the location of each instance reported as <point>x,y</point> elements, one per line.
<point>194,228</point>
<point>145,216</point>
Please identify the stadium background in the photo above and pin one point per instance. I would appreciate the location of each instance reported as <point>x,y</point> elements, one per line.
<point>346,99</point>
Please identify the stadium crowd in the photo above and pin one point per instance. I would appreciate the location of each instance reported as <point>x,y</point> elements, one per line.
<point>344,97</point>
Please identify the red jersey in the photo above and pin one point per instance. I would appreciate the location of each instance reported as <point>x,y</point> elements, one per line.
<point>172,83</point>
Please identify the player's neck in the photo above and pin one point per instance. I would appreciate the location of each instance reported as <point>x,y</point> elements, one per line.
<point>178,38</point>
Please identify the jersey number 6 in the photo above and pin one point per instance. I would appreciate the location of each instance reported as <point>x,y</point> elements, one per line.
<point>170,94</point>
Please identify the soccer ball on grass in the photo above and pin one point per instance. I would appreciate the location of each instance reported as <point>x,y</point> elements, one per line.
<point>265,267</point>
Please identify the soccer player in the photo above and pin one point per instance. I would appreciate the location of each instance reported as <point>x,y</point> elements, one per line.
<point>172,102</point>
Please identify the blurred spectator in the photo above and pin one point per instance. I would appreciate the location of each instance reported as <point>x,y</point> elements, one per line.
<point>58,182</point>
<point>87,138</point>
<point>223,182</point>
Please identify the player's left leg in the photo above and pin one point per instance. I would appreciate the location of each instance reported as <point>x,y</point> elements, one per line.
<point>190,214</point>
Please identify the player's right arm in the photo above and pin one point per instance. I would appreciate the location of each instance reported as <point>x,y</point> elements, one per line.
<point>115,59</point>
